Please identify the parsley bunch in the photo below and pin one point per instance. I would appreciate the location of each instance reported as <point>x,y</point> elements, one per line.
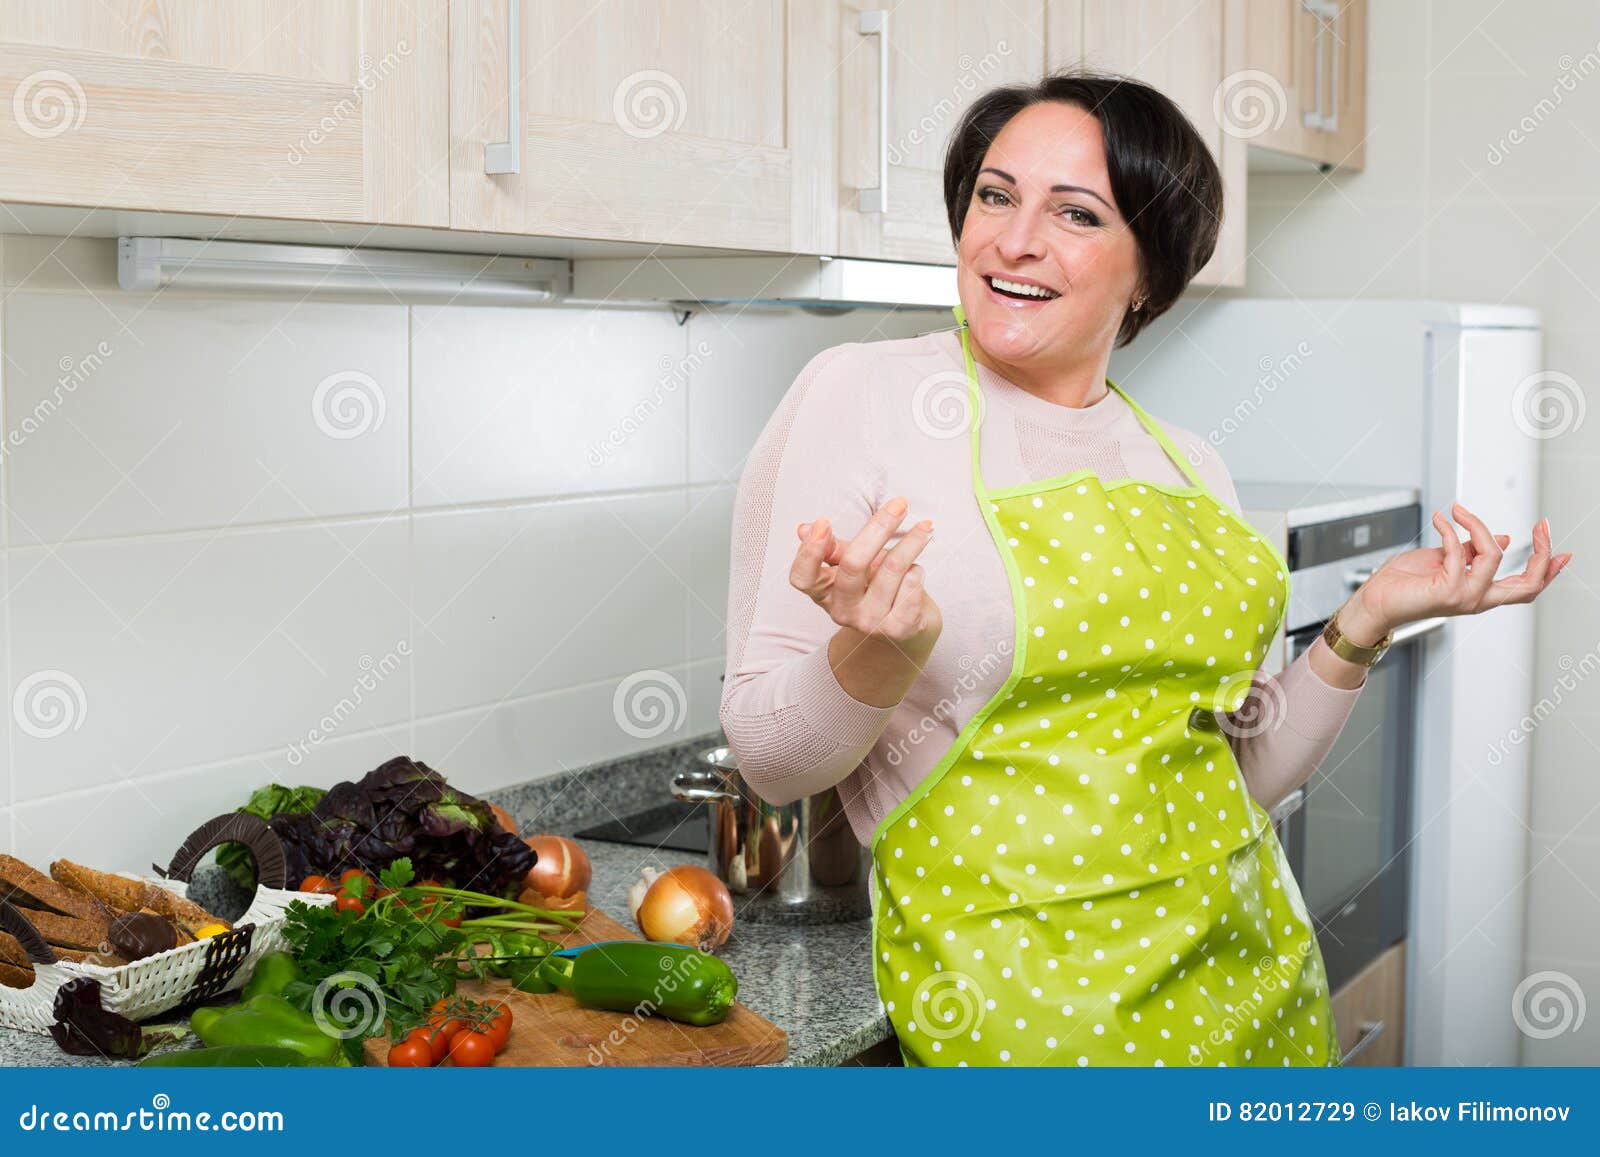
<point>404,946</point>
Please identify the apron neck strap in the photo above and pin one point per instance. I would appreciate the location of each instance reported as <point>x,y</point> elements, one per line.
<point>1150,424</point>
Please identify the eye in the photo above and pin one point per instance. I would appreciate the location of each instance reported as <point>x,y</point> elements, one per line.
<point>990,195</point>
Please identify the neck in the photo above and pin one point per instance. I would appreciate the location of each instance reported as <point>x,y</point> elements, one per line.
<point>1078,385</point>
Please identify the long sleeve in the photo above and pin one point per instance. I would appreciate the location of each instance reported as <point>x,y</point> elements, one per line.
<point>794,729</point>
<point>1292,719</point>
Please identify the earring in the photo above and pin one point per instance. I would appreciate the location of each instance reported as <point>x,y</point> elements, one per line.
<point>1138,305</point>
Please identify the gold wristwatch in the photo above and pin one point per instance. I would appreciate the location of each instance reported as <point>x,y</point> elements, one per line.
<point>1350,651</point>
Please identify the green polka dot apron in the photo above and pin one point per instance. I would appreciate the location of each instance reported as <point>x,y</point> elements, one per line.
<point>1084,878</point>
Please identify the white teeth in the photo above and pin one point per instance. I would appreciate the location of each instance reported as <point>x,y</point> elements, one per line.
<point>1020,287</point>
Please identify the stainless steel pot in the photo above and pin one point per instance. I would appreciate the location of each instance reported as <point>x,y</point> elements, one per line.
<point>793,863</point>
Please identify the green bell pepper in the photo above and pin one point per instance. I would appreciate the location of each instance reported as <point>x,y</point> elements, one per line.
<point>273,973</point>
<point>644,977</point>
<point>271,1021</point>
<point>228,1056</point>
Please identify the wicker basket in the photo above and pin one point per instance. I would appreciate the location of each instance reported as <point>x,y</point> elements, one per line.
<point>145,988</point>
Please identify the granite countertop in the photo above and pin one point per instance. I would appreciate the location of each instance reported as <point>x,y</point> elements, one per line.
<point>814,981</point>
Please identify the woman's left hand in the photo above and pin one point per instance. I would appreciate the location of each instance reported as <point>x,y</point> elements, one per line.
<point>1455,578</point>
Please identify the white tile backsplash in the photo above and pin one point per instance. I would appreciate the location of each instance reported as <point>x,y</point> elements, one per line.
<point>496,539</point>
<point>516,403</point>
<point>186,649</point>
<point>515,601</point>
<point>483,748</point>
<point>137,414</point>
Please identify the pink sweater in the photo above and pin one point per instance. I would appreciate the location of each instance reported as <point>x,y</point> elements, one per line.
<point>861,424</point>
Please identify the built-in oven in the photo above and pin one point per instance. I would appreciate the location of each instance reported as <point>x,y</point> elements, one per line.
<point>1347,831</point>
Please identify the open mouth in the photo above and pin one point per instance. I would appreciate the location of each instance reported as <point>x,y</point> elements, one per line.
<point>1020,290</point>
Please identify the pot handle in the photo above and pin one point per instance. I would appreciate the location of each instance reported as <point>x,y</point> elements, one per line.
<point>700,787</point>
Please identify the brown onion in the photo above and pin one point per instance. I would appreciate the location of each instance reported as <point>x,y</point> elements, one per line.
<point>504,818</point>
<point>683,905</point>
<point>561,870</point>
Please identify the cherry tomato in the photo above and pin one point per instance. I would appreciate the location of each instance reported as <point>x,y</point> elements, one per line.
<point>435,1042</point>
<point>316,884</point>
<point>451,921</point>
<point>350,904</point>
<point>411,1053</point>
<point>499,1026</point>
<point>447,1028</point>
<point>470,1049</point>
<point>355,882</point>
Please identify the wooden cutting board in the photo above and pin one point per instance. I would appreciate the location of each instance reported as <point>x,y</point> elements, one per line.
<point>550,1028</point>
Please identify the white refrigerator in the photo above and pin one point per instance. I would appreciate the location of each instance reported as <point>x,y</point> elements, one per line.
<point>1450,398</point>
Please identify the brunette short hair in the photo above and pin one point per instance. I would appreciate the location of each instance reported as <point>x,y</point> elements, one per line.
<point>1163,177</point>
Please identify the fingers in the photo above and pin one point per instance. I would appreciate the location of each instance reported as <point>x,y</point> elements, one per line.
<point>806,573</point>
<point>855,563</point>
<point>1486,555</point>
<point>895,565</point>
<point>1541,569</point>
<point>1454,563</point>
<point>859,579</point>
<point>905,614</point>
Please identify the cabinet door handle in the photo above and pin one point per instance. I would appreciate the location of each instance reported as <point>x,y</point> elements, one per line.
<point>1330,119</point>
<point>506,156</point>
<point>1316,120</point>
<point>1371,1030</point>
<point>876,200</point>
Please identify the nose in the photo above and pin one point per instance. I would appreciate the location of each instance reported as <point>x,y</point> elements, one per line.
<point>1022,236</point>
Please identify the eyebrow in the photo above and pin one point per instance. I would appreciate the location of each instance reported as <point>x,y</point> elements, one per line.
<point>1053,188</point>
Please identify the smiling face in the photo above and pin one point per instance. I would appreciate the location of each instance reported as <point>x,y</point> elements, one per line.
<point>1042,214</point>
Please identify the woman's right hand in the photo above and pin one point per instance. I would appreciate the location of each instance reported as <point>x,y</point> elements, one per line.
<point>865,587</point>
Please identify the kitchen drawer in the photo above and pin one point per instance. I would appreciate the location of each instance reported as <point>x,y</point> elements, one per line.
<point>1371,1009</point>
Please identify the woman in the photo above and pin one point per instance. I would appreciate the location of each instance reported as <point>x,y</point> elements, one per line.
<point>1069,865</point>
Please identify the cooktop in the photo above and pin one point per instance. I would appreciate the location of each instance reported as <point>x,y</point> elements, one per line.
<point>685,827</point>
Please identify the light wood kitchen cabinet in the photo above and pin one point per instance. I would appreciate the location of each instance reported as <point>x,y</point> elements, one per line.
<point>1188,50</point>
<point>1369,1011</point>
<point>1311,97</point>
<point>325,110</point>
<point>917,67</point>
<point>638,120</point>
